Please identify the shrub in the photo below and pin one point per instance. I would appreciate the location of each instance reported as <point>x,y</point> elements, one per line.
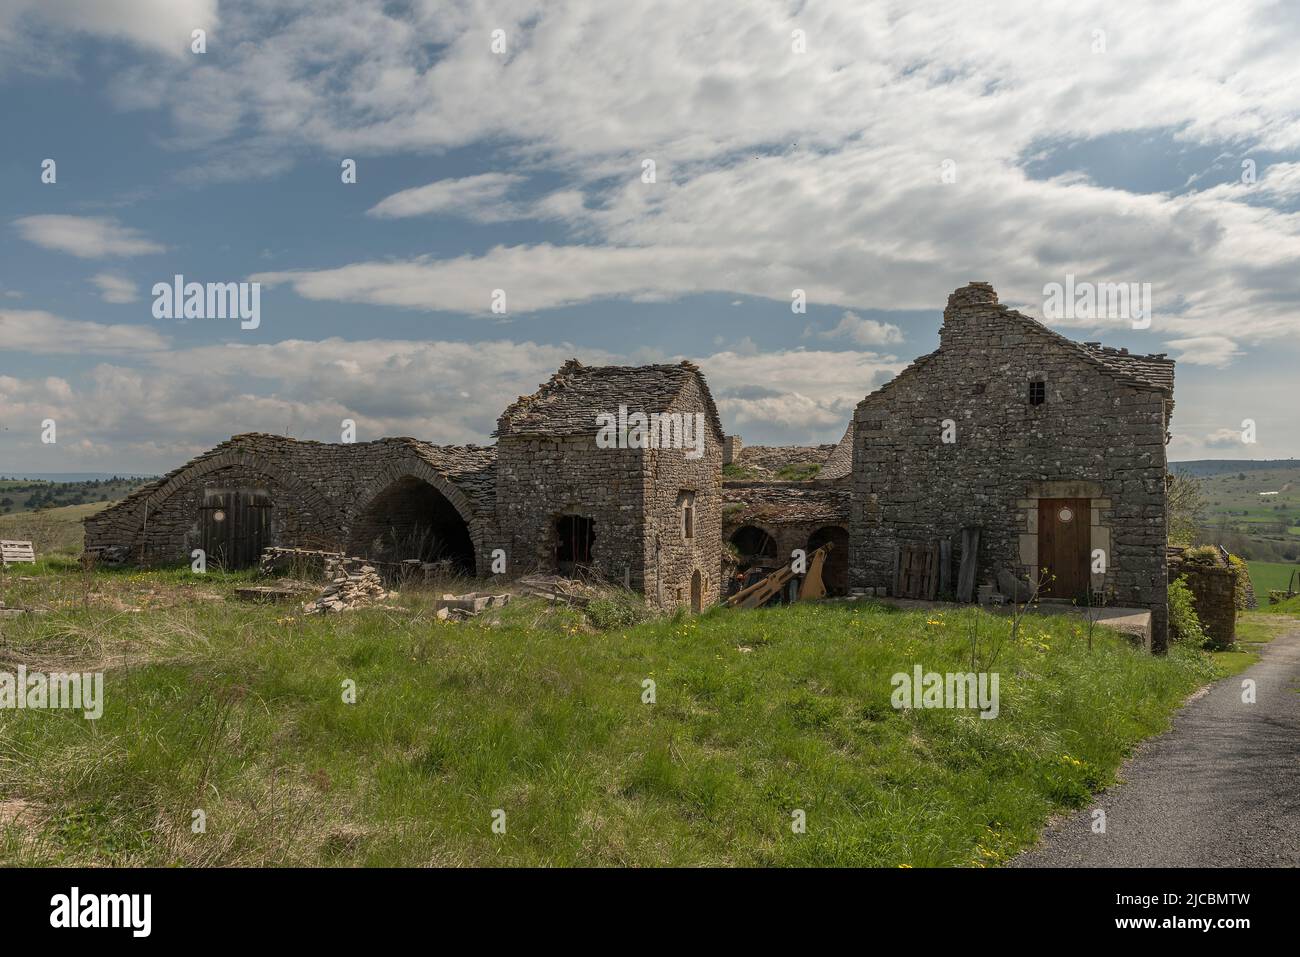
<point>1183,623</point>
<point>616,609</point>
<point>1243,581</point>
<point>1202,555</point>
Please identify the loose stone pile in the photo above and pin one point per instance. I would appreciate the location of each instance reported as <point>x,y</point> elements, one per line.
<point>349,589</point>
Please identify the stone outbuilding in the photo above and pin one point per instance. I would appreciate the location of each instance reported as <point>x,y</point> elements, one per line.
<point>548,497</point>
<point>643,507</point>
<point>1053,449</point>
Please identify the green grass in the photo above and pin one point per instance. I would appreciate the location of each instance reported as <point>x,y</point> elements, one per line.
<point>1270,576</point>
<point>237,710</point>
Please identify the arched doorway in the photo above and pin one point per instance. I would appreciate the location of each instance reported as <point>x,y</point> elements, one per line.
<point>754,546</point>
<point>412,519</point>
<point>697,592</point>
<point>835,573</point>
<point>751,557</point>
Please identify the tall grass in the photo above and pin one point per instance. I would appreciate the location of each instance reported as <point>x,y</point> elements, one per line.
<point>238,711</point>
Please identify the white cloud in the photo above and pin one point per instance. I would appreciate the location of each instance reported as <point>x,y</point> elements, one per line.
<point>34,331</point>
<point>481,198</point>
<point>864,332</point>
<point>114,288</point>
<point>166,406</point>
<point>1205,350</point>
<point>1224,439</point>
<point>161,25</point>
<point>88,237</point>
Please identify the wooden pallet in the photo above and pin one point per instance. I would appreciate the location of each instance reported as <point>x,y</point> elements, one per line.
<point>916,571</point>
<point>17,553</point>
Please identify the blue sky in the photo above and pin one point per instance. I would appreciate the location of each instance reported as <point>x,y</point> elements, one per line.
<point>1100,141</point>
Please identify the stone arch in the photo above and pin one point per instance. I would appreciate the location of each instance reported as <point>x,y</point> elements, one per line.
<point>402,476</point>
<point>754,542</point>
<point>298,497</point>
<point>237,458</point>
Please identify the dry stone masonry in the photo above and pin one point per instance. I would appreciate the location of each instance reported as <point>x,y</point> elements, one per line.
<point>1057,455</point>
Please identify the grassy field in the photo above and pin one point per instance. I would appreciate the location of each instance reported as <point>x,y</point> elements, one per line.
<point>237,710</point>
<point>52,530</point>
<point>1266,576</point>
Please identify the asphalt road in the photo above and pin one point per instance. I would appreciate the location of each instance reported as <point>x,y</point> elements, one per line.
<point>1221,788</point>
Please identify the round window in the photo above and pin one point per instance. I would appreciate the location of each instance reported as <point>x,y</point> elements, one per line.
<point>1065,515</point>
<point>218,516</point>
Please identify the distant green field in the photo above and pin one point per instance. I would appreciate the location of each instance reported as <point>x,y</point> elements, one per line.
<point>1267,576</point>
<point>51,530</point>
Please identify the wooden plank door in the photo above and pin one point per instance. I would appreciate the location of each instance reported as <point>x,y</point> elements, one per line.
<point>235,525</point>
<point>1064,534</point>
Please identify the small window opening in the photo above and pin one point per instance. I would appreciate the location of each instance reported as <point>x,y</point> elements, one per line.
<point>1037,392</point>
<point>686,502</point>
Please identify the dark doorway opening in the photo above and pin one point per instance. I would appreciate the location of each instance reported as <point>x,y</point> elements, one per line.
<point>754,546</point>
<point>235,526</point>
<point>835,573</point>
<point>575,539</point>
<point>413,520</point>
<point>697,592</point>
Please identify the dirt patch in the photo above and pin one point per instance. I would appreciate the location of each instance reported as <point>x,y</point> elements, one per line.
<point>21,813</point>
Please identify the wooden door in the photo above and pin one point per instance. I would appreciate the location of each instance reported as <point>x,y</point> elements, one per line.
<point>235,526</point>
<point>1064,530</point>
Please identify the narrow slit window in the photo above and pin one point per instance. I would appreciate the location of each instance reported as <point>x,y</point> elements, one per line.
<point>1037,392</point>
<point>687,502</point>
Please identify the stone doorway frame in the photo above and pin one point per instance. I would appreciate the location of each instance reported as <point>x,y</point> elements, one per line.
<point>1098,532</point>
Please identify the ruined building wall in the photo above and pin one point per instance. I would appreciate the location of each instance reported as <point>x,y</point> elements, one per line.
<point>317,492</point>
<point>1094,437</point>
<point>670,557</point>
<point>541,478</point>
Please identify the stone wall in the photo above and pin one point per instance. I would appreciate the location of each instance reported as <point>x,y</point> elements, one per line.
<point>675,482</point>
<point>319,492</point>
<point>636,497</point>
<point>1099,433</point>
<point>542,478</point>
<point>1213,591</point>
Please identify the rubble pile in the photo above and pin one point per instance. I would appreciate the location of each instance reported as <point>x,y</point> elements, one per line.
<point>349,589</point>
<point>464,607</point>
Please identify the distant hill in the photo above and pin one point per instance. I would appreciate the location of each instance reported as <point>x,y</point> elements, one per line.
<point>1203,467</point>
<point>1252,507</point>
<point>26,495</point>
<point>69,476</point>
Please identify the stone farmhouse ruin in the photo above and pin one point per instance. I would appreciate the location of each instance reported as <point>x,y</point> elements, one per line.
<point>1009,453</point>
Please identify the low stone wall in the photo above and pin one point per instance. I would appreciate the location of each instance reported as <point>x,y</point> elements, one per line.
<point>1214,598</point>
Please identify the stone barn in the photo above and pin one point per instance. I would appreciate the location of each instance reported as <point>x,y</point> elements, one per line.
<point>1053,449</point>
<point>641,508</point>
<point>644,514</point>
<point>392,498</point>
